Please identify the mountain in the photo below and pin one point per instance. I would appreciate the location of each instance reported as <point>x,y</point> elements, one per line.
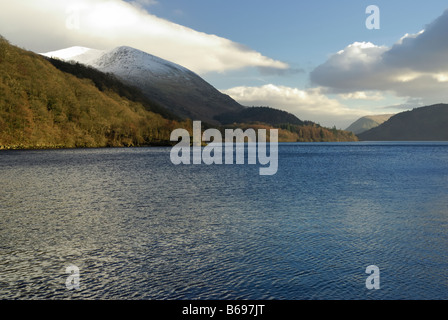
<point>44,107</point>
<point>368,122</point>
<point>421,124</point>
<point>170,85</point>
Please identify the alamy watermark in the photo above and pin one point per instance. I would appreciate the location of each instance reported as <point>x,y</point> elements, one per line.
<point>234,139</point>
<point>373,20</point>
<point>373,280</point>
<point>72,281</point>
<point>72,22</point>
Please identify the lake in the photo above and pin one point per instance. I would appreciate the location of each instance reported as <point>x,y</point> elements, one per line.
<point>138,227</point>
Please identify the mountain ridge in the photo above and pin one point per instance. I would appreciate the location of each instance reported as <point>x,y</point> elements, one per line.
<point>260,114</point>
<point>368,122</point>
<point>427,123</point>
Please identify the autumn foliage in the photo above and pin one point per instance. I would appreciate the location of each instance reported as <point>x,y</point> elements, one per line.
<point>43,107</point>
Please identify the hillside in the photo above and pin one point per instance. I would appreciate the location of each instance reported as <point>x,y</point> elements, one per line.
<point>368,122</point>
<point>107,81</point>
<point>300,133</point>
<point>43,107</point>
<point>421,124</point>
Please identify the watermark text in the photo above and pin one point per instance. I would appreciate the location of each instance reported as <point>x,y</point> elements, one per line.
<point>234,147</point>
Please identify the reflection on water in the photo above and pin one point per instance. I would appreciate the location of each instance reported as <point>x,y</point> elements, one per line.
<point>139,227</point>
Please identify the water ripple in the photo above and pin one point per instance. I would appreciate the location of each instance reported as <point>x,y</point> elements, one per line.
<point>140,228</point>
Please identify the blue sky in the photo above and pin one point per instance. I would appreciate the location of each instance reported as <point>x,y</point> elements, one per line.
<point>315,59</point>
<point>301,33</point>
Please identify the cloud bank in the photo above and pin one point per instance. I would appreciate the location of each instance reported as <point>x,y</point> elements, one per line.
<point>415,67</point>
<point>309,104</point>
<point>48,25</point>
<point>413,70</point>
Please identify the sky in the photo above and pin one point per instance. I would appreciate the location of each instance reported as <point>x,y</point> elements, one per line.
<point>320,60</point>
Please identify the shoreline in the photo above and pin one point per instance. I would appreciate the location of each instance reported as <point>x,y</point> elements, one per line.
<point>59,147</point>
<point>171,144</point>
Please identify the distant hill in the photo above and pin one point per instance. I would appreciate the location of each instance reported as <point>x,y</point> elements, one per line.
<point>421,124</point>
<point>368,122</point>
<point>299,133</point>
<point>259,114</point>
<point>290,127</point>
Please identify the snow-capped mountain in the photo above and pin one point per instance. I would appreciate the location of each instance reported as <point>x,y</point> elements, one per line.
<point>171,85</point>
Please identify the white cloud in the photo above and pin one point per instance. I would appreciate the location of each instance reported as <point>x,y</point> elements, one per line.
<point>48,25</point>
<point>344,70</point>
<point>362,95</point>
<point>441,77</point>
<point>409,36</point>
<point>309,104</point>
<point>416,66</point>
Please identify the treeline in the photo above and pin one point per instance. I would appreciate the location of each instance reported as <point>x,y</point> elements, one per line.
<point>292,129</point>
<point>316,133</point>
<point>297,133</point>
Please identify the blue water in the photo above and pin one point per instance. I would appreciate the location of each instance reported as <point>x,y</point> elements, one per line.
<point>138,227</point>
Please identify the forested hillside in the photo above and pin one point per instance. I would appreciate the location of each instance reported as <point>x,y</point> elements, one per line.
<point>43,107</point>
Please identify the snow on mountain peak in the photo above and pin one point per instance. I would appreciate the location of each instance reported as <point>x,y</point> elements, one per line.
<point>128,58</point>
<point>80,54</point>
<point>121,60</point>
